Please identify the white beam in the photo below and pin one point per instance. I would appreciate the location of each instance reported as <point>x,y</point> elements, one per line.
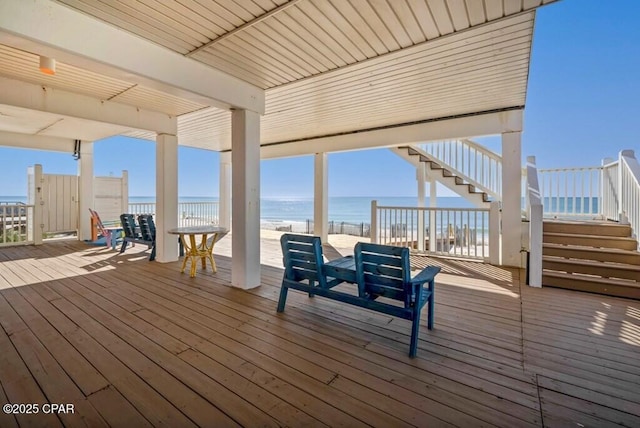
<point>57,31</point>
<point>60,102</point>
<point>166,197</point>
<point>245,210</point>
<point>36,142</point>
<point>462,127</point>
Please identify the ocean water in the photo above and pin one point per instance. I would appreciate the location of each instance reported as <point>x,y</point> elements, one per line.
<point>341,208</point>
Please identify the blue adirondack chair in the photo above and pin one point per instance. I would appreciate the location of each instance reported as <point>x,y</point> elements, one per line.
<point>384,271</point>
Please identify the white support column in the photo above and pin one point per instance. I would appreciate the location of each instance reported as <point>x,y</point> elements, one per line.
<point>494,233</point>
<point>245,181</point>
<point>321,197</point>
<point>224,203</point>
<point>421,178</point>
<point>124,191</point>
<point>511,199</point>
<point>35,199</point>
<point>85,190</point>
<point>166,197</point>
<point>433,203</point>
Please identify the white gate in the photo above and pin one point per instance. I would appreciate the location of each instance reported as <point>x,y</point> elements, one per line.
<point>111,196</point>
<point>57,196</point>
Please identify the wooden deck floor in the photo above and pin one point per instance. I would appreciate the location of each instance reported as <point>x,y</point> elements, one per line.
<point>135,343</point>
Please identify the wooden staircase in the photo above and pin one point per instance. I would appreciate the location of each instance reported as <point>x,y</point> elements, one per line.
<point>596,257</point>
<point>444,175</point>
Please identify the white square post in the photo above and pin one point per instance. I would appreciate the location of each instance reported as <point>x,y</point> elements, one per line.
<point>166,197</point>
<point>245,182</point>
<point>224,203</point>
<point>85,190</point>
<point>321,197</point>
<point>511,199</point>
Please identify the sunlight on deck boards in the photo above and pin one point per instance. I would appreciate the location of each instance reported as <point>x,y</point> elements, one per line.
<point>135,343</point>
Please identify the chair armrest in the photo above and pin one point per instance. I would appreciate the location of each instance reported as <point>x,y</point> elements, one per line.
<point>427,275</point>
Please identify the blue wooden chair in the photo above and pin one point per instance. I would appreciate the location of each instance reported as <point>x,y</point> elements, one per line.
<point>143,232</point>
<point>384,271</point>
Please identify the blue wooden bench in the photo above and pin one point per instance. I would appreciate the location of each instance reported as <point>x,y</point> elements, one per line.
<point>144,232</point>
<point>380,271</point>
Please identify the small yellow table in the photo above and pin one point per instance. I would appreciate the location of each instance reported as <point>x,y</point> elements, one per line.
<point>204,250</point>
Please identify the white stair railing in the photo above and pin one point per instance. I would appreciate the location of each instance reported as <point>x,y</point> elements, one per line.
<point>471,161</point>
<point>571,192</point>
<point>534,216</point>
<point>630,190</point>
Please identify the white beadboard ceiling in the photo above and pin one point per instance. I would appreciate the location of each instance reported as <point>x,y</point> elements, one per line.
<point>328,66</point>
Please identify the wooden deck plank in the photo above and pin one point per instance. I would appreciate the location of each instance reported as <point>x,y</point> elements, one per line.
<point>187,403</point>
<point>270,359</point>
<point>19,386</point>
<point>138,334</point>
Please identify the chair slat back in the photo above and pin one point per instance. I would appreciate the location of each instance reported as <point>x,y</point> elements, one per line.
<point>383,270</point>
<point>302,258</point>
<point>147,227</point>
<point>129,225</point>
<point>98,223</point>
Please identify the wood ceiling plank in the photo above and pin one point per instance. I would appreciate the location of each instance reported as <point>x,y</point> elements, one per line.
<point>335,33</point>
<point>270,44</point>
<point>511,6</point>
<point>493,9</point>
<point>152,14</point>
<point>476,12</point>
<point>366,32</point>
<point>391,21</point>
<point>458,13</point>
<point>367,13</point>
<point>440,14</point>
<point>425,19</point>
<point>108,14</point>
<point>341,55</point>
<point>320,50</point>
<point>189,17</point>
<point>405,15</point>
<point>346,26</point>
<point>299,46</point>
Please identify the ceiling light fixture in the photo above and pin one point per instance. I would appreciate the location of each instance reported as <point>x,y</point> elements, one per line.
<point>47,65</point>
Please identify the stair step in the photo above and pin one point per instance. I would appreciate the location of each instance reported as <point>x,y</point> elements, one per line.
<point>590,240</point>
<point>590,267</point>
<point>587,228</point>
<point>592,284</point>
<point>588,253</point>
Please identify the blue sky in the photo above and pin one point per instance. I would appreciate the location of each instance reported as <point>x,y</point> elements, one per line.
<point>582,106</point>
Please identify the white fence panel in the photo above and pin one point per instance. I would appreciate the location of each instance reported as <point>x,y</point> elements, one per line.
<point>59,203</point>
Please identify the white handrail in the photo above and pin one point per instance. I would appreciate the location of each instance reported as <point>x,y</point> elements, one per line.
<point>630,190</point>
<point>471,161</point>
<point>459,232</point>
<point>534,215</point>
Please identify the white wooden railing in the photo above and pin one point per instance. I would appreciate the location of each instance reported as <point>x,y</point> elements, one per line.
<point>189,213</point>
<point>571,192</point>
<point>459,232</point>
<point>533,209</point>
<point>629,178</point>
<point>471,161</point>
<point>16,224</point>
